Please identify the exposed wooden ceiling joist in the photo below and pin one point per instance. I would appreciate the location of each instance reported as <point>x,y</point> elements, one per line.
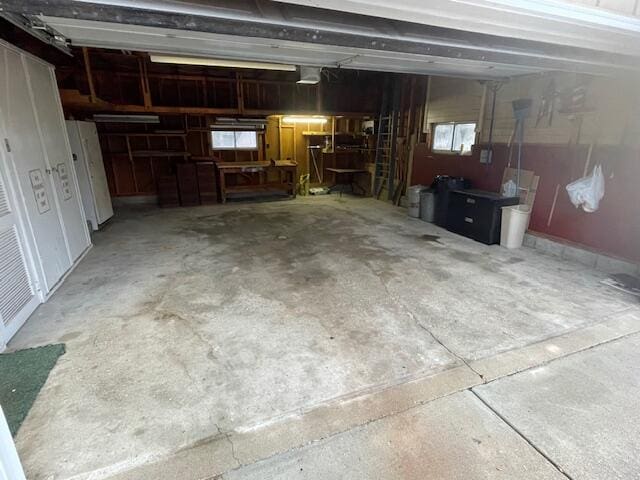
<point>265,30</point>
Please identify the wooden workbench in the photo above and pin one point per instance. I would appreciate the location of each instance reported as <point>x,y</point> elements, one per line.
<point>350,174</point>
<point>286,177</point>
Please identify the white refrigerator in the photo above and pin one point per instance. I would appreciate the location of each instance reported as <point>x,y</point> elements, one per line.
<point>92,178</point>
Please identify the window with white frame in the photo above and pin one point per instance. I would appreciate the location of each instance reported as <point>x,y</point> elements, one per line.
<point>234,140</point>
<point>454,137</point>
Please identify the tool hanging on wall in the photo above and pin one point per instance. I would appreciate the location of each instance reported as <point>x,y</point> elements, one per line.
<point>547,105</point>
<point>314,160</point>
<point>495,88</point>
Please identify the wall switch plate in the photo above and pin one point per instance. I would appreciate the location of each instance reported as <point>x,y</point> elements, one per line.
<point>486,156</point>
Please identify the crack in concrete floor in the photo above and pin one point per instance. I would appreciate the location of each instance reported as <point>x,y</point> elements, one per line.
<point>368,247</point>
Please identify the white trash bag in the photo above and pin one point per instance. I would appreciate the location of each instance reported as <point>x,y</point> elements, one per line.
<point>588,191</point>
<point>509,189</point>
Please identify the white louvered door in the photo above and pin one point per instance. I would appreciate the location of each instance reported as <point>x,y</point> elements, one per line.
<point>18,298</point>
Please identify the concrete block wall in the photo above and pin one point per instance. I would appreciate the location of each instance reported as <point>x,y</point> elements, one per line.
<point>588,258</point>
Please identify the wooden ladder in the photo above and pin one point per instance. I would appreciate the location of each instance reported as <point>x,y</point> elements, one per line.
<point>383,153</point>
<point>387,139</point>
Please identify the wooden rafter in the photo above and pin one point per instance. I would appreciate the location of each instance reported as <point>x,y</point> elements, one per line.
<point>87,68</point>
<point>144,82</point>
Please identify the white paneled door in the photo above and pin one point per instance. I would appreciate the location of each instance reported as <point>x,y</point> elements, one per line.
<point>89,166</point>
<point>97,173</point>
<point>10,468</point>
<point>33,176</point>
<point>53,133</point>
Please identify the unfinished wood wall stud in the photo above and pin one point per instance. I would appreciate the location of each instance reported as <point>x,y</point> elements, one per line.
<point>87,66</point>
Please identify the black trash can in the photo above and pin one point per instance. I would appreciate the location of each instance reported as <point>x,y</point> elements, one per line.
<point>442,185</point>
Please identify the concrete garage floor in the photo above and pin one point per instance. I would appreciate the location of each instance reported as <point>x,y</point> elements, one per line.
<point>204,339</point>
<point>575,418</point>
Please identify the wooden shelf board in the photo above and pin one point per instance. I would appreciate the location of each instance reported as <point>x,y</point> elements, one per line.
<point>316,134</point>
<point>159,153</point>
<point>140,134</point>
<point>267,187</point>
<point>328,134</point>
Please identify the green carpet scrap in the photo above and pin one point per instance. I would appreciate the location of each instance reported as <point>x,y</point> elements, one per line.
<point>22,375</point>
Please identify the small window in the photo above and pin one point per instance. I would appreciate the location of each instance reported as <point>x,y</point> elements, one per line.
<point>443,137</point>
<point>454,137</point>
<point>234,140</point>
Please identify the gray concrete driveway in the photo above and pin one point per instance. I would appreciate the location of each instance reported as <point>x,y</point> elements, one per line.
<point>575,418</point>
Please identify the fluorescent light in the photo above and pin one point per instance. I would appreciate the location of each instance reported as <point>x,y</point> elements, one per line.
<point>105,118</point>
<point>219,62</point>
<point>228,123</point>
<point>229,120</point>
<point>318,120</point>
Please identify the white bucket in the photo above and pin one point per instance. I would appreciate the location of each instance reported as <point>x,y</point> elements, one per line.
<point>515,221</point>
<point>413,199</point>
<point>427,205</point>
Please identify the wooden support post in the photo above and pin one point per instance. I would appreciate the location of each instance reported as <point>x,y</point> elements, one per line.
<point>239,93</point>
<point>333,134</point>
<point>414,140</point>
<point>425,114</point>
<point>481,114</point>
<point>319,97</point>
<point>116,186</point>
<point>87,69</point>
<point>205,100</point>
<point>279,138</point>
<point>133,166</point>
<point>144,83</point>
<point>295,134</point>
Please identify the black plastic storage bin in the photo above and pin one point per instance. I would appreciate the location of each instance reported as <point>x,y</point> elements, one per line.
<point>477,214</point>
<point>442,185</point>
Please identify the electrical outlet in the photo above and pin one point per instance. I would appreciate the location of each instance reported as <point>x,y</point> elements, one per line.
<point>486,156</point>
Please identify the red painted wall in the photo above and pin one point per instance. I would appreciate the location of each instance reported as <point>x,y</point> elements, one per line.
<point>614,229</point>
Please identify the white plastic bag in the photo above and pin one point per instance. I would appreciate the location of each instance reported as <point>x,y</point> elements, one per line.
<point>588,191</point>
<point>509,189</point>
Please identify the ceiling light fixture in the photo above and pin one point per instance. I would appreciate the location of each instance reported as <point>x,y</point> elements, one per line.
<point>309,75</point>
<point>108,118</point>
<point>316,120</point>
<point>227,123</point>
<point>219,62</point>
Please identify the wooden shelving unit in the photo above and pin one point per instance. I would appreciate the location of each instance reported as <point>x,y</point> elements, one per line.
<point>136,160</point>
